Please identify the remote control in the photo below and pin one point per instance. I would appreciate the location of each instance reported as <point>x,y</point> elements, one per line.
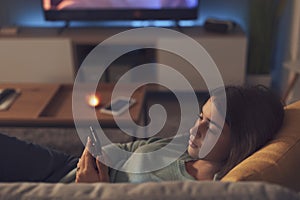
<point>5,94</point>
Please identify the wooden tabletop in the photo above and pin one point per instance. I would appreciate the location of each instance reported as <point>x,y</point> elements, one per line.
<point>51,105</point>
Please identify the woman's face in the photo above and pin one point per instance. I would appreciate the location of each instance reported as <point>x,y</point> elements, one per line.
<point>204,126</point>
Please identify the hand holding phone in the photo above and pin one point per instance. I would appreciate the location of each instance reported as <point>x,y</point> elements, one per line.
<point>96,143</point>
<point>91,169</point>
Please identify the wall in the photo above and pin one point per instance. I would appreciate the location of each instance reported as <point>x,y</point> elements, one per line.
<point>291,51</point>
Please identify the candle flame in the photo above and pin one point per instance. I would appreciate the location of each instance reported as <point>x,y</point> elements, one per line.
<point>93,100</point>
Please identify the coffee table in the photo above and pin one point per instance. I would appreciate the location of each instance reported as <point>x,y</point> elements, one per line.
<point>50,105</point>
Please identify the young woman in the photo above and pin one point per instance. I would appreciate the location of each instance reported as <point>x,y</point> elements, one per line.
<point>253,116</point>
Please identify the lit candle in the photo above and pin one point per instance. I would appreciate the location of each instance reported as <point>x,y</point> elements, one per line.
<point>94,100</point>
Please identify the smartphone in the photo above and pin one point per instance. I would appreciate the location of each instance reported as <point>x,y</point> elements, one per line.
<point>96,143</point>
<point>117,106</point>
<point>7,97</point>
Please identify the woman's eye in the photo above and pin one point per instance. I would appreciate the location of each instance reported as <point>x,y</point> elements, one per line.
<point>200,116</point>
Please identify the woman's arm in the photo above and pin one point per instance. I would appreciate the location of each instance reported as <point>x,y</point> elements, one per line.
<point>92,170</point>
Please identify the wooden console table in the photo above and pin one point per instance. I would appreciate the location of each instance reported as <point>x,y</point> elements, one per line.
<point>50,105</point>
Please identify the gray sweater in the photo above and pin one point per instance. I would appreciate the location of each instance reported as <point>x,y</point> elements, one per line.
<point>172,172</point>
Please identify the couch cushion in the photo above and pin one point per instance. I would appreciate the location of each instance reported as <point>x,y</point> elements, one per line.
<point>146,191</point>
<point>277,162</point>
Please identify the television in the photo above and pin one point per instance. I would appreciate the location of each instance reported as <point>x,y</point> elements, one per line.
<point>90,10</point>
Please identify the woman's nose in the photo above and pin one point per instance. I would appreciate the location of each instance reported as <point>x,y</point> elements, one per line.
<point>197,129</point>
<point>194,130</point>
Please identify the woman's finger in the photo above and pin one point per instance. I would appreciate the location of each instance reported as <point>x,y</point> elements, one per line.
<point>84,155</point>
<point>102,170</point>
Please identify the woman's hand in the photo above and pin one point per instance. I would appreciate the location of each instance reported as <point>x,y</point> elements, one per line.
<point>89,169</point>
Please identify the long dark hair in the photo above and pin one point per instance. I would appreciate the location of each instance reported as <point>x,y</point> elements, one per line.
<point>254,115</point>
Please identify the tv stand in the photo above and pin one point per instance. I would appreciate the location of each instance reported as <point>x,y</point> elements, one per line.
<point>66,26</point>
<point>178,27</point>
<point>227,50</point>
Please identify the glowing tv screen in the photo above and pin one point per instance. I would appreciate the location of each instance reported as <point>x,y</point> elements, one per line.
<point>78,10</point>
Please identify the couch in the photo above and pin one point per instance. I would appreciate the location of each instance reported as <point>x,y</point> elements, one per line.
<point>270,173</point>
<point>146,191</point>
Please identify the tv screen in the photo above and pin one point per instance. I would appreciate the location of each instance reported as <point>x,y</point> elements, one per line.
<point>78,10</point>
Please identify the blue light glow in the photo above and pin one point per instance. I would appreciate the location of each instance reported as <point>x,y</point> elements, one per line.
<point>34,19</point>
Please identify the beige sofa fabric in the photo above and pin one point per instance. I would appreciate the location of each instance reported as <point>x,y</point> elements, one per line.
<point>146,191</point>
